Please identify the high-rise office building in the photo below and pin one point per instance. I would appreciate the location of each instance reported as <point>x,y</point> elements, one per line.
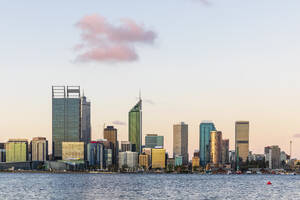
<point>16,150</point>
<point>158,158</point>
<point>66,117</point>
<point>85,135</point>
<point>110,134</point>
<point>216,147</point>
<point>205,128</point>
<point>135,126</point>
<point>272,154</point>
<point>225,151</point>
<point>180,141</point>
<point>154,140</point>
<point>241,140</point>
<point>39,149</point>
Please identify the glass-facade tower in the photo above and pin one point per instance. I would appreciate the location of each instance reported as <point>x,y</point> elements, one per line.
<point>66,117</point>
<point>135,126</point>
<point>205,129</point>
<point>154,140</point>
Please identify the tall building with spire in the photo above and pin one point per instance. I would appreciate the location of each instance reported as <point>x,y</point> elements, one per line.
<point>135,125</point>
<point>205,128</point>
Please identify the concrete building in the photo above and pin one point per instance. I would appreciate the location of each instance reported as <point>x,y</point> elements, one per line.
<point>16,150</point>
<point>225,151</point>
<point>2,152</point>
<point>242,140</point>
<point>154,140</point>
<point>144,161</point>
<point>128,159</point>
<point>180,141</point>
<point>204,144</point>
<point>272,154</point>
<point>126,146</point>
<point>73,150</point>
<point>39,149</point>
<point>216,147</point>
<point>158,158</point>
<point>111,134</point>
<point>95,154</point>
<point>66,117</point>
<point>135,126</point>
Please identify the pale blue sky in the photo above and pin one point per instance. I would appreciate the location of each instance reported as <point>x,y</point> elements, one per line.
<point>232,60</point>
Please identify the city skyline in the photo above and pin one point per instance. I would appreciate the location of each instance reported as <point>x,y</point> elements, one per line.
<point>226,65</point>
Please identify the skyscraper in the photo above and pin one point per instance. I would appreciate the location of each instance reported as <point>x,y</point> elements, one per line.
<point>135,126</point>
<point>110,134</point>
<point>180,141</point>
<point>241,140</point>
<point>85,121</point>
<point>216,147</point>
<point>66,117</point>
<point>225,151</point>
<point>205,128</point>
<point>153,140</point>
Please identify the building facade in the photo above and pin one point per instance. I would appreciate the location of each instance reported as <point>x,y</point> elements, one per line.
<point>16,150</point>
<point>273,156</point>
<point>158,158</point>
<point>39,149</point>
<point>241,140</point>
<point>85,135</point>
<point>66,117</point>
<point>216,147</point>
<point>95,154</point>
<point>126,146</point>
<point>154,140</point>
<point>135,126</point>
<point>128,159</point>
<point>111,134</point>
<point>225,151</point>
<point>72,150</point>
<point>144,161</point>
<point>205,128</point>
<point>2,152</point>
<point>180,141</point>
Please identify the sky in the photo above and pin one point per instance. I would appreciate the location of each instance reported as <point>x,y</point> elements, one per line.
<point>193,60</point>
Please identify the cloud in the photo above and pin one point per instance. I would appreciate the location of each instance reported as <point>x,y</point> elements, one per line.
<point>296,135</point>
<point>117,122</point>
<point>102,41</point>
<point>205,2</point>
<point>149,101</point>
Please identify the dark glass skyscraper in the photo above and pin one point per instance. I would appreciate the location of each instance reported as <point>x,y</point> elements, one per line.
<point>85,120</point>
<point>66,117</point>
<point>205,129</point>
<point>135,125</point>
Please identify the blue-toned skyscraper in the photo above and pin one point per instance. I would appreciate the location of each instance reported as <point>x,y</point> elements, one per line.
<point>95,154</point>
<point>66,117</point>
<point>205,128</point>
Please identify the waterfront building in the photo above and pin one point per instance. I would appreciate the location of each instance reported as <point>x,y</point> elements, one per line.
<point>171,162</point>
<point>85,123</point>
<point>242,140</point>
<point>111,134</point>
<point>39,149</point>
<point>72,150</point>
<point>16,150</point>
<point>225,151</point>
<point>204,144</point>
<point>144,160</point>
<point>66,117</point>
<point>2,152</point>
<point>180,141</point>
<point>108,158</point>
<point>195,162</point>
<point>95,154</point>
<point>158,158</point>
<point>154,140</point>
<point>129,159</point>
<point>135,126</point>
<point>127,146</point>
<point>178,161</point>
<point>216,147</point>
<point>273,156</point>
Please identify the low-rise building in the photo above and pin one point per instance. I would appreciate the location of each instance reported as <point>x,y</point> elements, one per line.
<point>144,161</point>
<point>73,150</point>
<point>195,162</point>
<point>158,158</point>
<point>178,161</point>
<point>128,159</point>
<point>39,149</point>
<point>16,150</point>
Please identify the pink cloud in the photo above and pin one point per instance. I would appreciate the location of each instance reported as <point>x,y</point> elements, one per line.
<point>102,41</point>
